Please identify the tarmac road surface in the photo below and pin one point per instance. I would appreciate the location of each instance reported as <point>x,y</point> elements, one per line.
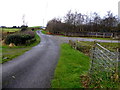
<point>35,68</point>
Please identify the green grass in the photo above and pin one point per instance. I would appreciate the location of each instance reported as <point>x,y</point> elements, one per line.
<point>44,32</point>
<point>106,82</point>
<point>110,46</point>
<point>10,53</point>
<point>98,38</point>
<point>71,65</point>
<point>9,29</point>
<point>35,27</point>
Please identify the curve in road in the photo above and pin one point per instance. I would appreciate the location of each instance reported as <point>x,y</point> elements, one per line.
<point>35,68</point>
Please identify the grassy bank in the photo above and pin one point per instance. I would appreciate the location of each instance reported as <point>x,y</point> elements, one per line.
<point>10,53</point>
<point>71,65</point>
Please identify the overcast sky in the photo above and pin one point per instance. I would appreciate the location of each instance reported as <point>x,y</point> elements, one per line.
<point>38,12</point>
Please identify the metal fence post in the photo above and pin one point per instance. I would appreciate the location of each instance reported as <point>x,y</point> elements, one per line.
<point>92,57</point>
<point>117,64</point>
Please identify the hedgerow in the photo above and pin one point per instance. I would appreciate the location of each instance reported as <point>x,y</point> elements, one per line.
<point>20,38</point>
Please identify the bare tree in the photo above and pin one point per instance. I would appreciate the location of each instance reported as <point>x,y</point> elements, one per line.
<point>109,22</point>
<point>75,22</point>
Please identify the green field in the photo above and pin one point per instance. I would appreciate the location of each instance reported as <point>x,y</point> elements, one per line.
<point>9,29</point>
<point>35,27</point>
<point>71,65</point>
<point>10,53</point>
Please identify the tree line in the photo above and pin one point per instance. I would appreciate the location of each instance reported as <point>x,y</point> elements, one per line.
<point>75,22</point>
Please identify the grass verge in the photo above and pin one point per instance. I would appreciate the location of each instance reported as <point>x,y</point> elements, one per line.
<point>71,65</point>
<point>100,79</point>
<point>44,32</point>
<point>10,53</point>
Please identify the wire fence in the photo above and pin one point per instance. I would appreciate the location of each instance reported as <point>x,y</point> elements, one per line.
<point>104,65</point>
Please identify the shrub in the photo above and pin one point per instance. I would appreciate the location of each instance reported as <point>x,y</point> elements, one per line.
<point>28,42</point>
<point>83,48</point>
<point>29,32</point>
<point>23,28</point>
<point>33,29</point>
<point>18,39</point>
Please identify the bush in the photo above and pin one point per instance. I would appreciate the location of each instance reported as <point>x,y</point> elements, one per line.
<point>30,41</point>
<point>18,39</point>
<point>82,48</point>
<point>33,29</point>
<point>23,28</point>
<point>29,32</point>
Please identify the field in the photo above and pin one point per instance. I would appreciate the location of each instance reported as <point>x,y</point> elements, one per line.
<point>35,27</point>
<point>9,29</point>
<point>5,31</point>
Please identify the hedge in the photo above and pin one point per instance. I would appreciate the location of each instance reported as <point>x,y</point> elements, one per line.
<point>18,39</point>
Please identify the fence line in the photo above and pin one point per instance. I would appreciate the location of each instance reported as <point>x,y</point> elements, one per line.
<point>104,65</point>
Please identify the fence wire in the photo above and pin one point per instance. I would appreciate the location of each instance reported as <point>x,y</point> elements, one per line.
<point>104,65</point>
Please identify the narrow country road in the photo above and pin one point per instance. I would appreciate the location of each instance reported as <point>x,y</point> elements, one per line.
<point>35,68</point>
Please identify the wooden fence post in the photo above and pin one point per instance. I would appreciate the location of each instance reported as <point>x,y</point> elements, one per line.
<point>117,63</point>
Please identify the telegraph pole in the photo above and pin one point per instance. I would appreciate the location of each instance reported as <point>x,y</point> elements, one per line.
<point>23,18</point>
